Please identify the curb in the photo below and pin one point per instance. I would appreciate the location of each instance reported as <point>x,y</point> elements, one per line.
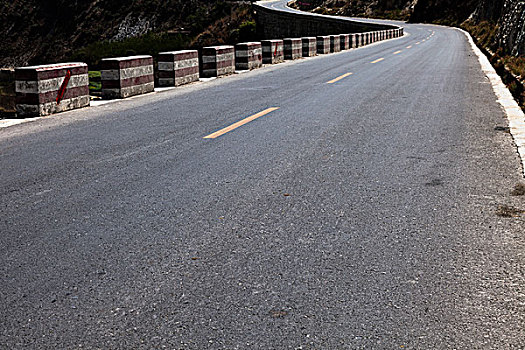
<point>515,115</point>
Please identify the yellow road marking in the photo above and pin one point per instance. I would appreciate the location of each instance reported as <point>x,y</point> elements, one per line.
<point>240,123</point>
<point>339,78</point>
<point>418,43</point>
<point>395,53</point>
<point>378,60</point>
<point>409,47</point>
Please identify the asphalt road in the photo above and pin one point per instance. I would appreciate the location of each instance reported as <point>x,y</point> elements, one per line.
<point>360,214</point>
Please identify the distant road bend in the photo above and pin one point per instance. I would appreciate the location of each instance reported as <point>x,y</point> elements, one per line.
<point>356,209</point>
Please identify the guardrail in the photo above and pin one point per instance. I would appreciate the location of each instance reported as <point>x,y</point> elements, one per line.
<point>43,90</point>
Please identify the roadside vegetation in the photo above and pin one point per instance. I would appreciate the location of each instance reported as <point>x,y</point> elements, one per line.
<point>510,68</point>
<point>232,23</point>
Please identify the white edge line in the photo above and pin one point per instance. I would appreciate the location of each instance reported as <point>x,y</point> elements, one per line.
<point>515,115</point>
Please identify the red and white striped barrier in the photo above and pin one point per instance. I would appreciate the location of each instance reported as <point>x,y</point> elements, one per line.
<point>218,60</point>
<point>370,37</point>
<point>248,55</point>
<point>345,41</point>
<point>178,67</point>
<point>335,43</point>
<point>323,44</point>
<point>52,88</point>
<point>360,39</point>
<point>353,41</point>
<point>127,76</point>
<point>309,46</point>
<point>293,48</point>
<point>273,51</point>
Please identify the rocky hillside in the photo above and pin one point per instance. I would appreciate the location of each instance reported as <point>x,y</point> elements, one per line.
<point>42,31</point>
<point>390,9</point>
<point>506,17</point>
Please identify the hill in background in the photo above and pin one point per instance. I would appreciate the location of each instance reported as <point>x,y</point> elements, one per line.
<point>38,32</point>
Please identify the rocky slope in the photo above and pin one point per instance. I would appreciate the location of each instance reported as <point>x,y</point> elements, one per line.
<point>42,31</point>
<point>506,16</point>
<point>394,9</point>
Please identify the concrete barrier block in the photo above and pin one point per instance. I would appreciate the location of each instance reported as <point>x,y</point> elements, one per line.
<point>7,92</point>
<point>323,44</point>
<point>273,51</point>
<point>248,55</point>
<point>293,48</point>
<point>345,41</point>
<point>52,88</point>
<point>353,41</point>
<point>369,38</point>
<point>335,43</point>
<point>309,46</point>
<point>178,67</point>
<point>359,39</point>
<point>218,61</point>
<point>127,76</point>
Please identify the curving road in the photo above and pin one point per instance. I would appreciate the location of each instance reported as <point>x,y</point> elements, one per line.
<point>356,214</point>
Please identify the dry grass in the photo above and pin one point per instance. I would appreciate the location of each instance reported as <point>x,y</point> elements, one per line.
<point>516,65</point>
<point>484,33</point>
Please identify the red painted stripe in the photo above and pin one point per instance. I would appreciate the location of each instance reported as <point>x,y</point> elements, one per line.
<point>63,87</point>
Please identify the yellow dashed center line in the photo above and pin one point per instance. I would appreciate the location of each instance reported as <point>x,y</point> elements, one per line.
<point>339,78</point>
<point>395,53</point>
<point>418,43</point>
<point>240,123</point>
<point>378,60</point>
<point>409,47</point>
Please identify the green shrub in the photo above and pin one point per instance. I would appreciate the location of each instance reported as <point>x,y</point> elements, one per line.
<point>95,82</point>
<point>247,31</point>
<point>149,44</point>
